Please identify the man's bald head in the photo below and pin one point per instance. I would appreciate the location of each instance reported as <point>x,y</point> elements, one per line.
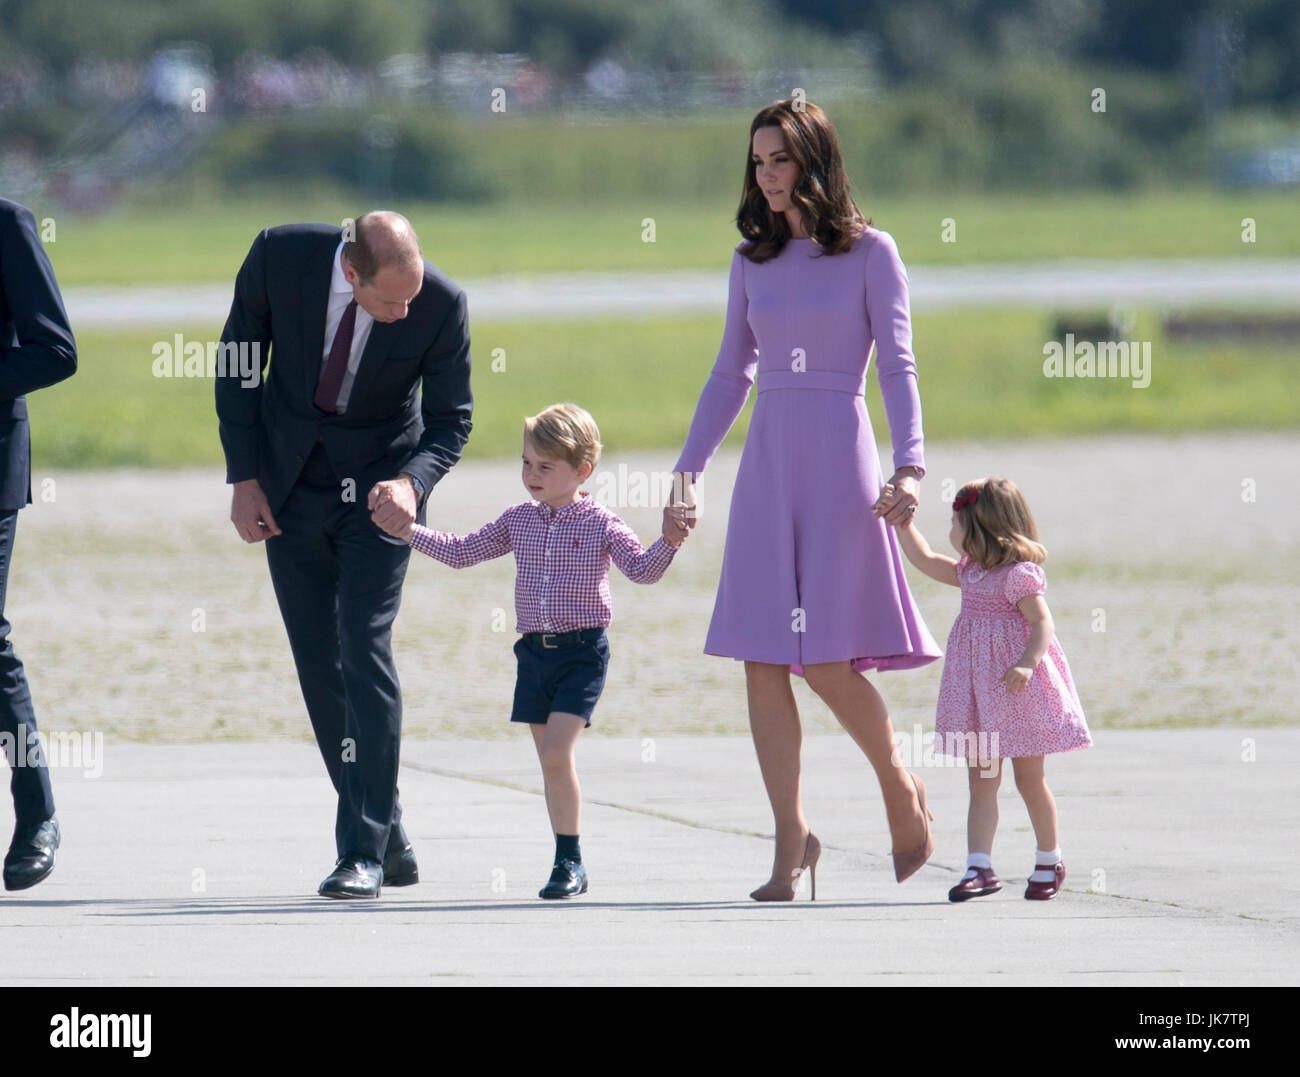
<point>384,265</point>
<point>383,240</point>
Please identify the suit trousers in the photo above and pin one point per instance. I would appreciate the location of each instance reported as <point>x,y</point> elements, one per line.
<point>339,585</point>
<point>30,784</point>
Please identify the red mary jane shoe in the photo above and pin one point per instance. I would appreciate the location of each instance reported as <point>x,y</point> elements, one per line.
<point>1045,891</point>
<point>984,883</point>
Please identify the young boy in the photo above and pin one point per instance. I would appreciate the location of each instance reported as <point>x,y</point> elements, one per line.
<point>563,541</point>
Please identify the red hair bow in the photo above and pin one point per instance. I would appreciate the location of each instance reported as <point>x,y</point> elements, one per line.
<point>968,498</point>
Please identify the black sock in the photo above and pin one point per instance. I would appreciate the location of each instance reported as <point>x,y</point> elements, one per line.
<point>566,848</point>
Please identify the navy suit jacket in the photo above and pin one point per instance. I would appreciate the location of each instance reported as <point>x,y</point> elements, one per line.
<point>410,405</point>
<point>36,344</point>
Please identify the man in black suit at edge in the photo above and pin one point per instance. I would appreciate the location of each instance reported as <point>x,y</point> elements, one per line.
<point>36,350</point>
<point>366,406</point>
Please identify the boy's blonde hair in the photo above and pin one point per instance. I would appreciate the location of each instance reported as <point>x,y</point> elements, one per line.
<point>565,432</point>
<point>997,526</point>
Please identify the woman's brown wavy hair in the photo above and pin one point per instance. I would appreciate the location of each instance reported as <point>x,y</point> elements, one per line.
<point>822,193</point>
<point>998,529</point>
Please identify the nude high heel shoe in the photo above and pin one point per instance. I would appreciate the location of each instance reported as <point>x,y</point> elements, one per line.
<point>812,851</point>
<point>908,863</point>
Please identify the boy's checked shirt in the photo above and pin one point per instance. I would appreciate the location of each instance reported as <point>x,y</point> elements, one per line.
<point>562,583</point>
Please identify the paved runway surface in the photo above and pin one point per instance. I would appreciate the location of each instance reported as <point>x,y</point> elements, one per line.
<point>568,296</point>
<point>198,864</point>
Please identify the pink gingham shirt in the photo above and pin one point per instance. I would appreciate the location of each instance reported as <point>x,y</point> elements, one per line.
<point>562,583</point>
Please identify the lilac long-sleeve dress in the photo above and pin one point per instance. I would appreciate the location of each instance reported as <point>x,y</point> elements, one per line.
<point>809,575</point>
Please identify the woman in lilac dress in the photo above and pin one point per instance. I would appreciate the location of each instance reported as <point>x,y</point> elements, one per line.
<point>812,578</point>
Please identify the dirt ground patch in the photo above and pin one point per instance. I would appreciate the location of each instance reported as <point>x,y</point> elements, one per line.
<point>1172,579</point>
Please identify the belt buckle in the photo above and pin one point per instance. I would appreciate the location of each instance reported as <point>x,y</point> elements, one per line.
<point>546,637</point>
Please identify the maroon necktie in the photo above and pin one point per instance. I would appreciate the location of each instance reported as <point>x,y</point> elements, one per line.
<point>331,379</point>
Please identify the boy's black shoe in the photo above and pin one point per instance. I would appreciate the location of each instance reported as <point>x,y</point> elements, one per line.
<point>568,879</point>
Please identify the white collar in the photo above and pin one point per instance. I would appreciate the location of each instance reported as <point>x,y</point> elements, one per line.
<point>338,282</point>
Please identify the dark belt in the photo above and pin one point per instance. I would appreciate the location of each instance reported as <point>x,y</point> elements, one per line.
<point>551,640</point>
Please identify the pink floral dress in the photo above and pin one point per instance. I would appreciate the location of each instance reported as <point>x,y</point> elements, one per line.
<point>977,715</point>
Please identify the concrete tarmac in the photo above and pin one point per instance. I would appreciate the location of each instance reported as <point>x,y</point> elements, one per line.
<point>198,865</point>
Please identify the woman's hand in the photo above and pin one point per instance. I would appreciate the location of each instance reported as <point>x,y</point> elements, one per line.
<point>898,500</point>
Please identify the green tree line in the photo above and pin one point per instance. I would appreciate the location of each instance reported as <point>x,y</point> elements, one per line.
<point>1243,50</point>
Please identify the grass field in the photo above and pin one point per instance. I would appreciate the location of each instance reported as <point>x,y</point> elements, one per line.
<point>207,241</point>
<point>980,375</point>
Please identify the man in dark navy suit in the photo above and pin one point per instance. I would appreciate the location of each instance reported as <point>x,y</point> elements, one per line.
<point>366,406</point>
<point>36,350</point>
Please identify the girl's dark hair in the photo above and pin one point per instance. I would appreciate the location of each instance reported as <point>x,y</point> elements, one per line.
<point>821,194</point>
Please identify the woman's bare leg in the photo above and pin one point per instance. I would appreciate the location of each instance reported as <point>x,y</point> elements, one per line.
<point>774,723</point>
<point>861,710</point>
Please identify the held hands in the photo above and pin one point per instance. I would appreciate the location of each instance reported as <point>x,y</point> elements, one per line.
<point>898,500</point>
<point>684,493</point>
<point>676,523</point>
<point>251,513</point>
<point>392,506</point>
<point>885,502</point>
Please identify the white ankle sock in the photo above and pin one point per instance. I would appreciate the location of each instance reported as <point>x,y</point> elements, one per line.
<point>977,860</point>
<point>1045,874</point>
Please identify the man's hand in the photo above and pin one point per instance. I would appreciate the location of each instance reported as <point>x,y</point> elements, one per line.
<point>250,512</point>
<point>393,505</point>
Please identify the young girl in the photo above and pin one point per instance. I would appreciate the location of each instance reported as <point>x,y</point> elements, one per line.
<point>563,542</point>
<point>1006,690</point>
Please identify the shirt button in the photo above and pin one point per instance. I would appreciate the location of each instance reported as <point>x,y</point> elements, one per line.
<point>546,579</point>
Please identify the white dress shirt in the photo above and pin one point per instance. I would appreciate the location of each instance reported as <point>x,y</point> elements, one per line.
<point>339,298</point>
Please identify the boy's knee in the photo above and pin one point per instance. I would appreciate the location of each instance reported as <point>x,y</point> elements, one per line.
<point>555,758</point>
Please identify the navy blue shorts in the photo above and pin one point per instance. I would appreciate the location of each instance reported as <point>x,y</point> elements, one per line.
<point>566,676</point>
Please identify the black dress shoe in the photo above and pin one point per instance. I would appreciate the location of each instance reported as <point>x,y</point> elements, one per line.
<point>31,855</point>
<point>568,879</point>
<point>400,868</point>
<point>354,877</point>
